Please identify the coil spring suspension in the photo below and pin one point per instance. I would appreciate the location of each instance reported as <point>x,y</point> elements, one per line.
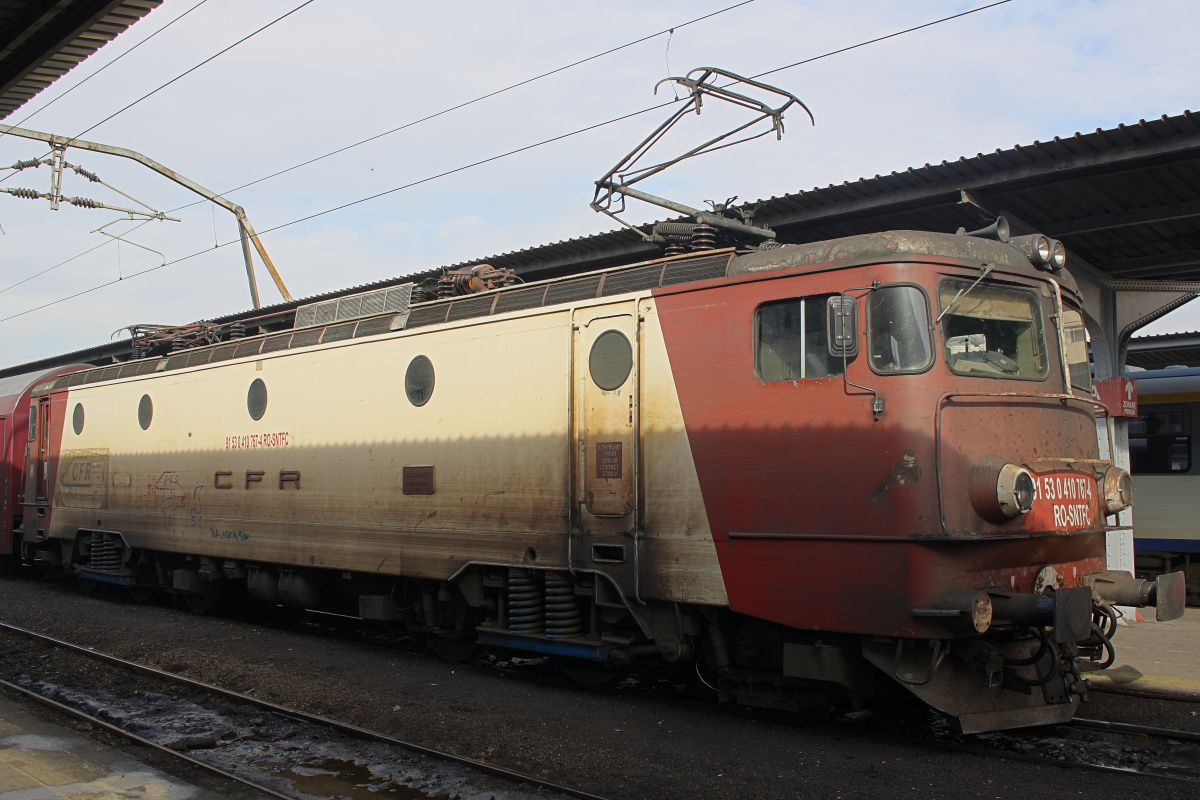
<point>564,618</point>
<point>704,237</point>
<point>526,605</point>
<point>105,553</point>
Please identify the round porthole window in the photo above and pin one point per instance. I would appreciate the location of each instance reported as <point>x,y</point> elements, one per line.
<point>77,418</point>
<point>145,411</point>
<point>256,399</point>
<point>611,360</point>
<point>418,381</point>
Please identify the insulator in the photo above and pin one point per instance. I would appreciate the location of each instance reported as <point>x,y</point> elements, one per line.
<point>28,194</point>
<point>33,162</point>
<point>135,351</point>
<point>445,287</point>
<point>564,617</point>
<point>526,606</point>
<point>91,176</point>
<point>675,249</point>
<point>704,237</point>
<point>84,202</point>
<point>237,331</point>
<point>178,344</point>
<point>771,245</point>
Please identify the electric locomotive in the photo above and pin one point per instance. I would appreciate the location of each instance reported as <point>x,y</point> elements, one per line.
<point>808,470</point>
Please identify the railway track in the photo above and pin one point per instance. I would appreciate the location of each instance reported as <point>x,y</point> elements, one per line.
<point>101,713</point>
<point>1093,745</point>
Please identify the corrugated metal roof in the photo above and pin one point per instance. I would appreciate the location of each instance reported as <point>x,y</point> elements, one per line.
<point>41,41</point>
<point>1165,350</point>
<point>1125,200</point>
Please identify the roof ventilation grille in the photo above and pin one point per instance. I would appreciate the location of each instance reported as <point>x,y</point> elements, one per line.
<point>394,299</point>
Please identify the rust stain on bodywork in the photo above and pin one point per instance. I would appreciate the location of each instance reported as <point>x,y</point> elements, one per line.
<point>904,471</point>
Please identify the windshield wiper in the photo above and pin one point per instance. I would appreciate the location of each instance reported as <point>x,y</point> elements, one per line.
<point>964,292</point>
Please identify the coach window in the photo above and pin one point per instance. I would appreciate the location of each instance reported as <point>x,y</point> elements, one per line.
<point>418,381</point>
<point>898,329</point>
<point>256,399</point>
<point>992,332</point>
<point>792,340</point>
<point>145,411</point>
<point>1160,440</point>
<point>1075,336</point>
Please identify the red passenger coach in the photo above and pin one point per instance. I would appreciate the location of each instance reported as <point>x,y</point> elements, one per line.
<point>14,428</point>
<point>806,471</point>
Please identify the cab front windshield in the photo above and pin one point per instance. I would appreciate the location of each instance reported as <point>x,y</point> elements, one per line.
<point>991,331</point>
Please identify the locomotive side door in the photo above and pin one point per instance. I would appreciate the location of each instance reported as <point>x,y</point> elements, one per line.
<point>606,382</point>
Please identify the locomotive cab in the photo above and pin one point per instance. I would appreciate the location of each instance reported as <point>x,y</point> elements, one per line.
<point>973,501</point>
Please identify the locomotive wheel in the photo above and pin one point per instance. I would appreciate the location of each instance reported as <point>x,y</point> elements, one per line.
<point>200,604</point>
<point>88,585</point>
<point>455,651</point>
<point>591,673</point>
<point>142,594</point>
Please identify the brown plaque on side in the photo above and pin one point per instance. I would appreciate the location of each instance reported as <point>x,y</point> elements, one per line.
<point>608,460</point>
<point>418,480</point>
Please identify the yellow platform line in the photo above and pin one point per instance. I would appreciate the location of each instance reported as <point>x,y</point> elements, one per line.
<point>1133,682</point>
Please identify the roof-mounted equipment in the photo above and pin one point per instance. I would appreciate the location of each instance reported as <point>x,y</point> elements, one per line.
<point>617,183</point>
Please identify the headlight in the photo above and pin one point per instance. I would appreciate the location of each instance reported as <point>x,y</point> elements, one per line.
<point>1015,490</point>
<point>1058,254</point>
<point>1118,489</point>
<point>1036,247</point>
<point>1000,491</point>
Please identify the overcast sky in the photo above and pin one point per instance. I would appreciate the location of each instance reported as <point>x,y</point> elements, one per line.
<point>334,73</point>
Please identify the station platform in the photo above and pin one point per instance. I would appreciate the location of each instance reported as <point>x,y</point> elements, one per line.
<point>43,761</point>
<point>1159,659</point>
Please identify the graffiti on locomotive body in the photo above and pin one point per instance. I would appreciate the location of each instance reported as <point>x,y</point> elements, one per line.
<point>83,479</point>
<point>1072,496</point>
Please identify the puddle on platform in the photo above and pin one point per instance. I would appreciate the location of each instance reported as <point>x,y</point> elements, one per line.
<point>337,778</point>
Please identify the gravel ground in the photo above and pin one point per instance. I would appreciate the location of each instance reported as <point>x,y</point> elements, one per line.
<point>618,744</point>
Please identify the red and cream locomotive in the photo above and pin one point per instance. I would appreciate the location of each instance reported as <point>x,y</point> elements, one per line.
<point>809,469</point>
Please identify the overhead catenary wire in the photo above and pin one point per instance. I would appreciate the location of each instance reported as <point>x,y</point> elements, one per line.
<point>481,162</point>
<point>397,129</point>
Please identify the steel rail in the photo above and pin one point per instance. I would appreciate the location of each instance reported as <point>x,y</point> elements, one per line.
<point>1125,727</point>
<point>316,719</point>
<point>133,737</point>
<point>929,743</point>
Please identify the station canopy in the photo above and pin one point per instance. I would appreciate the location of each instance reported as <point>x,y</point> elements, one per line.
<point>41,40</point>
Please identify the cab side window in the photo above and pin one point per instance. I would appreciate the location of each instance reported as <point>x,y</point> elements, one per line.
<point>792,340</point>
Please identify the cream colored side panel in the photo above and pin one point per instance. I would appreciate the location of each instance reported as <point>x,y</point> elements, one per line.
<point>494,430</point>
<point>1166,507</point>
<point>679,560</point>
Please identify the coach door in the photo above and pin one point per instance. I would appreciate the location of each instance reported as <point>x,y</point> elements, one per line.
<point>42,434</point>
<point>5,449</point>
